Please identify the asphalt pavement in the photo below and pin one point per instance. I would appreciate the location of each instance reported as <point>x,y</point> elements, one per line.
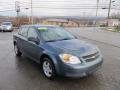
<point>24,74</point>
<point>95,33</point>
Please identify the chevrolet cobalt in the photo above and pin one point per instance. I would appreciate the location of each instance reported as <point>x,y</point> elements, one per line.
<point>57,51</point>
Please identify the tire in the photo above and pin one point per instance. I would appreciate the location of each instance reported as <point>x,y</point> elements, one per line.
<point>16,50</point>
<point>11,30</point>
<point>48,70</point>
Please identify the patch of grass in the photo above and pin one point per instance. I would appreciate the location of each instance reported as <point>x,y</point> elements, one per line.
<point>117,29</point>
<point>112,29</point>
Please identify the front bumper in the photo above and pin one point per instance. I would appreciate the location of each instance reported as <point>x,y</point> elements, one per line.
<point>7,29</point>
<point>81,70</point>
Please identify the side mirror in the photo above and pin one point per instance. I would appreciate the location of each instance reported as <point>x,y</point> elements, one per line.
<point>35,40</point>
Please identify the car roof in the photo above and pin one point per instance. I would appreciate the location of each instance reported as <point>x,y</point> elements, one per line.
<point>6,22</point>
<point>37,25</point>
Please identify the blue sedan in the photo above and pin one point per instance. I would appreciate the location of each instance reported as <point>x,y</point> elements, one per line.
<point>57,51</point>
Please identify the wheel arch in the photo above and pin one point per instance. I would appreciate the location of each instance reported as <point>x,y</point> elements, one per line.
<point>44,56</point>
<point>14,42</point>
<point>52,58</point>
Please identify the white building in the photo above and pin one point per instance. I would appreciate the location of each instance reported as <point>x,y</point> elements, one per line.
<point>113,22</point>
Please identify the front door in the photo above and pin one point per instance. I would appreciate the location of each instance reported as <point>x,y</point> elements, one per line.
<point>33,49</point>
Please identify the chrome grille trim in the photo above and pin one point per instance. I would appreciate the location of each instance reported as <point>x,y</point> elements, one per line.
<point>91,57</point>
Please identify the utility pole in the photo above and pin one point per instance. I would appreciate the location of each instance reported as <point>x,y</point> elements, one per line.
<point>32,12</point>
<point>84,16</point>
<point>109,9</point>
<point>17,9</point>
<point>97,12</point>
<point>28,16</point>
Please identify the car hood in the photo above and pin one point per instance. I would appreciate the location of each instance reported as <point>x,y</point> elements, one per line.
<point>73,46</point>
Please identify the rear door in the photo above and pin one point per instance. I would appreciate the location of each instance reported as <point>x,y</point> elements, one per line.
<point>22,38</point>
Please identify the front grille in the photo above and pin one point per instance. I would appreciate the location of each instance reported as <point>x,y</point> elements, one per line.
<point>91,57</point>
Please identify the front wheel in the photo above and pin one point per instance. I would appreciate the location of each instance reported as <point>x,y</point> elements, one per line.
<point>48,68</point>
<point>17,52</point>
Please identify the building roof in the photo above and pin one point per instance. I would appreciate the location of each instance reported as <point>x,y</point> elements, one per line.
<point>57,20</point>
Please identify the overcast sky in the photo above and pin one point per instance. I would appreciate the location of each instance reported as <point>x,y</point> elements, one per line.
<point>58,7</point>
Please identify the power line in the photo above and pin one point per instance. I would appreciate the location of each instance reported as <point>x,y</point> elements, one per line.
<point>51,1</point>
<point>38,3</point>
<point>10,10</point>
<point>82,6</point>
<point>7,10</point>
<point>23,7</point>
<point>66,7</point>
<point>58,8</point>
<point>73,5</point>
<point>72,8</point>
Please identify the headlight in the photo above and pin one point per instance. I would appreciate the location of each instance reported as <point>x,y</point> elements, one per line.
<point>67,58</point>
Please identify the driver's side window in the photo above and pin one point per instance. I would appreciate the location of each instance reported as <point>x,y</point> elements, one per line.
<point>32,33</point>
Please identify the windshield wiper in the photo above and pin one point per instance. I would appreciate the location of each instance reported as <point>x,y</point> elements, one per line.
<point>51,40</point>
<point>59,40</point>
<point>66,39</point>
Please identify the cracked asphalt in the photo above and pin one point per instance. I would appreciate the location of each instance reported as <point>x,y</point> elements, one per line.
<point>21,73</point>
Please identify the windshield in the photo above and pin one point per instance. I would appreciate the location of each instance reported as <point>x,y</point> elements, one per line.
<point>54,33</point>
<point>6,23</point>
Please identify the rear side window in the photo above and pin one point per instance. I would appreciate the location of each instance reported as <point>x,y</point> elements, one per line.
<point>23,31</point>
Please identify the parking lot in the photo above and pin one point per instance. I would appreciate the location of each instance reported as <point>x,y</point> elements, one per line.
<point>21,73</point>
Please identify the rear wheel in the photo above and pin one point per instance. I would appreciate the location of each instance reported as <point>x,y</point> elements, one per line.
<point>17,52</point>
<point>48,69</point>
